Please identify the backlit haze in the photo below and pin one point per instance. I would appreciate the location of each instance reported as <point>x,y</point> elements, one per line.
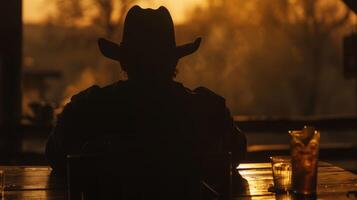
<point>36,11</point>
<point>265,57</point>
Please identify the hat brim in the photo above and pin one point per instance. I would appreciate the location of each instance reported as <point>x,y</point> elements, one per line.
<point>114,51</point>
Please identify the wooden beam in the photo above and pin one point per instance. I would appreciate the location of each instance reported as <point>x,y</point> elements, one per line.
<point>284,124</point>
<point>10,67</point>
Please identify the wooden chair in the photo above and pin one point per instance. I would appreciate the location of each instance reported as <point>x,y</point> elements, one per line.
<point>133,173</point>
<point>128,177</point>
<point>216,171</point>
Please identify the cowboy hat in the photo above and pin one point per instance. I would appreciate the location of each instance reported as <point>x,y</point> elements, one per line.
<point>147,31</point>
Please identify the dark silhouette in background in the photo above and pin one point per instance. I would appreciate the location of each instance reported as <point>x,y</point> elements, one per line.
<point>159,113</point>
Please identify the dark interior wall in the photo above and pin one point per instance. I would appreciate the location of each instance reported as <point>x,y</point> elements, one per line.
<point>10,66</point>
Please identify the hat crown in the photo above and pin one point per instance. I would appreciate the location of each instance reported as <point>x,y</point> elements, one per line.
<point>149,33</point>
<point>149,28</point>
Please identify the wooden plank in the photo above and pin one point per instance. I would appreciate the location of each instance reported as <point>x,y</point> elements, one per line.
<point>336,196</point>
<point>35,195</point>
<point>268,165</point>
<point>253,166</point>
<point>29,182</point>
<point>30,178</point>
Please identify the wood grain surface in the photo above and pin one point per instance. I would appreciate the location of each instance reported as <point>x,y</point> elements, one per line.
<point>36,182</point>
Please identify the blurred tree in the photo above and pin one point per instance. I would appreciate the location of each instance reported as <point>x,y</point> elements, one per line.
<point>69,13</point>
<point>310,25</point>
<point>71,34</point>
<point>268,57</point>
<point>106,15</point>
<point>276,57</point>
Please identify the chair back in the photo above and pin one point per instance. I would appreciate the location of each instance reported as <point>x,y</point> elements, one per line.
<point>216,174</point>
<point>127,170</point>
<point>124,171</point>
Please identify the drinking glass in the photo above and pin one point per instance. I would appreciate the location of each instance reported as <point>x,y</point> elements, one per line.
<point>281,167</point>
<point>304,157</point>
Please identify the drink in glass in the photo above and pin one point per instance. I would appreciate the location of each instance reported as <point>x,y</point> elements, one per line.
<point>281,168</point>
<point>304,157</point>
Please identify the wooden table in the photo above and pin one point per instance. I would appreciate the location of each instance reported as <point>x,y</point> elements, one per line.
<point>36,182</point>
<point>333,182</point>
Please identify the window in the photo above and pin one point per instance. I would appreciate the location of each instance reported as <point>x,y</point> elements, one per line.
<point>267,58</point>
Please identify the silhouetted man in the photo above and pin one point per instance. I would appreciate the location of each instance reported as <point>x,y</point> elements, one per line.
<point>150,104</point>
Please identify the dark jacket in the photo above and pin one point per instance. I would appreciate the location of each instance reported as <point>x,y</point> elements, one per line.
<point>170,115</point>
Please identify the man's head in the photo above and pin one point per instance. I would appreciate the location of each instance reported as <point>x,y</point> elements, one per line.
<point>148,49</point>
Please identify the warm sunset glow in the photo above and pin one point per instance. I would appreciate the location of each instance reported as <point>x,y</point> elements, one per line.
<point>37,11</point>
<point>258,45</point>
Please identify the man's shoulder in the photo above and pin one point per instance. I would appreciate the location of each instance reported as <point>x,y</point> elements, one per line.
<point>86,94</point>
<point>93,99</point>
<point>210,98</point>
<point>95,92</point>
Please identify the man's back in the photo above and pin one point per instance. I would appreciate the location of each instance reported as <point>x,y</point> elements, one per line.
<point>170,115</point>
